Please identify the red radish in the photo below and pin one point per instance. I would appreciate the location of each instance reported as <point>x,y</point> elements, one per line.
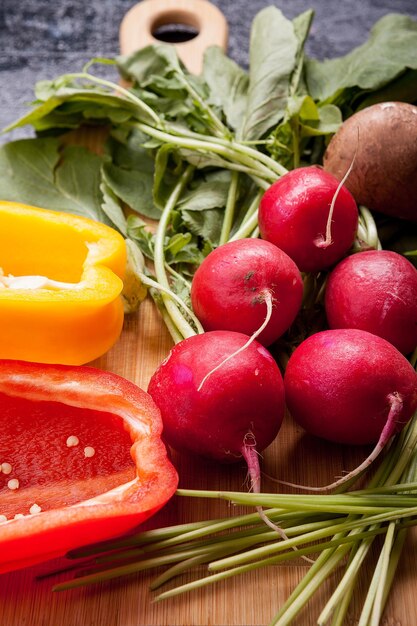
<point>352,387</point>
<point>311,216</point>
<point>375,291</point>
<point>235,413</point>
<point>231,288</point>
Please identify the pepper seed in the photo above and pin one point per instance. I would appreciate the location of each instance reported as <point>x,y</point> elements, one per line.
<point>72,441</point>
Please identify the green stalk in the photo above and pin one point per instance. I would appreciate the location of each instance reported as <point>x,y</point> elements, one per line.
<point>262,184</point>
<point>242,147</point>
<point>393,476</point>
<point>382,568</point>
<point>330,559</point>
<point>253,207</point>
<point>338,618</point>
<point>202,582</point>
<point>219,128</point>
<point>110,574</point>
<point>291,523</point>
<point>379,589</point>
<point>370,228</point>
<point>247,228</point>
<point>408,450</point>
<point>166,291</point>
<point>318,572</point>
<point>387,466</point>
<point>127,94</point>
<point>346,582</point>
<point>205,552</point>
<point>143,538</point>
<point>372,591</point>
<point>218,550</point>
<point>338,603</point>
<point>400,456</point>
<point>224,149</point>
<point>230,208</point>
<point>353,502</point>
<point>270,163</point>
<point>238,540</point>
<point>216,527</point>
<point>223,575</point>
<point>361,234</point>
<point>406,447</point>
<point>176,335</point>
<point>395,557</point>
<point>217,125</point>
<point>178,276</point>
<point>396,488</point>
<point>178,569</point>
<point>295,141</point>
<point>316,535</point>
<point>183,326</point>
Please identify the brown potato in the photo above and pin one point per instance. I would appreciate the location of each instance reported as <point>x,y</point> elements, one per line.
<point>384,173</point>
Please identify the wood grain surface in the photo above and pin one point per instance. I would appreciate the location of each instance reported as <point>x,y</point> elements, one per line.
<point>250,599</point>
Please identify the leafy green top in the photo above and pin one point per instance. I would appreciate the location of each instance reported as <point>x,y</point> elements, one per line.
<point>228,134</point>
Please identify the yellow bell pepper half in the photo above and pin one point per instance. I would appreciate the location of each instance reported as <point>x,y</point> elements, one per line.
<point>61,277</point>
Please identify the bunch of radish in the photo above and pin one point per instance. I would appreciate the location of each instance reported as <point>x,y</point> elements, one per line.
<point>222,395</point>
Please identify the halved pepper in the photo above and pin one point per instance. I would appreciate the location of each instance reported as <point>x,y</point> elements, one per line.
<point>61,277</point>
<point>81,459</point>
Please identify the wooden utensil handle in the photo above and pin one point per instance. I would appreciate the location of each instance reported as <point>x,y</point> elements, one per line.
<point>141,21</point>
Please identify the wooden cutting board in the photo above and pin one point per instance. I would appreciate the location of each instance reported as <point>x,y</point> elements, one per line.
<point>251,599</point>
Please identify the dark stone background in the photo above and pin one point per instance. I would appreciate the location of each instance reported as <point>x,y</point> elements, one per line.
<point>44,38</point>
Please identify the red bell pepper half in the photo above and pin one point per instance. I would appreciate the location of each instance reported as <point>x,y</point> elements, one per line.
<point>81,460</point>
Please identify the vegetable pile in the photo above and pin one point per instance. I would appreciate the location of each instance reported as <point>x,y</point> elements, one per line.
<point>208,164</point>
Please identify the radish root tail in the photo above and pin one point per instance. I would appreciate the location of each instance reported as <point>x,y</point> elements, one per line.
<point>396,403</point>
<point>251,456</point>
<point>325,242</point>
<point>266,297</point>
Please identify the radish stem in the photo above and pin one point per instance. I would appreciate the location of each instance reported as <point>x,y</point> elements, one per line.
<point>225,149</point>
<point>153,283</point>
<point>247,229</point>
<point>219,128</point>
<point>230,209</point>
<point>182,324</point>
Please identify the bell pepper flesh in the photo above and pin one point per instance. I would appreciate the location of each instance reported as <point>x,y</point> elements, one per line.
<point>73,324</point>
<point>116,475</point>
